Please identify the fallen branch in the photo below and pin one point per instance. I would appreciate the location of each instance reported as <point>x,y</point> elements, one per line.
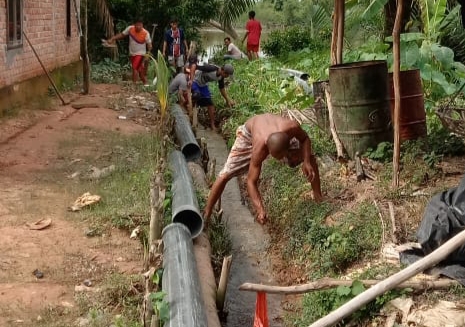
<point>327,283</point>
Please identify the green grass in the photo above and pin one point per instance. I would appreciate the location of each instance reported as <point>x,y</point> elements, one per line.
<point>124,204</point>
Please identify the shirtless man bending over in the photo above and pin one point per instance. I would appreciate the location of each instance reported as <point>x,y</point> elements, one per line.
<point>260,136</point>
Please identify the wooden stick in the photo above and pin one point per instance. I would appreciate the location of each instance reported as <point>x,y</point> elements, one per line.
<point>223,284</point>
<point>383,225</point>
<point>393,222</point>
<point>45,70</point>
<point>397,86</point>
<point>327,283</point>
<point>388,284</point>
<point>360,173</point>
<point>157,196</point>
<point>332,125</point>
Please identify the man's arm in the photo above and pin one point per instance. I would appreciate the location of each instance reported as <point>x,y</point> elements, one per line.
<point>116,37</point>
<point>226,98</point>
<point>164,48</point>
<point>309,166</point>
<point>181,99</point>
<point>245,36</point>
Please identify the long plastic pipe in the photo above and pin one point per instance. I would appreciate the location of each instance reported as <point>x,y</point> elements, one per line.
<point>184,134</point>
<point>180,279</point>
<point>185,207</point>
<point>301,78</point>
<point>297,73</point>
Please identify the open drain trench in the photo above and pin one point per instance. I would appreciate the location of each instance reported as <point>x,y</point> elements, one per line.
<point>191,292</point>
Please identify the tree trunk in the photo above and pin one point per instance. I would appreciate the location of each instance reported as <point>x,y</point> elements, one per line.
<point>227,29</point>
<point>84,51</point>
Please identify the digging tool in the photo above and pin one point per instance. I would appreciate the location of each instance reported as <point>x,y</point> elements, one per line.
<point>45,70</point>
<point>154,26</point>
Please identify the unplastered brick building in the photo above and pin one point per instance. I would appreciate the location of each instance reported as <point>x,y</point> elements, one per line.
<point>53,30</point>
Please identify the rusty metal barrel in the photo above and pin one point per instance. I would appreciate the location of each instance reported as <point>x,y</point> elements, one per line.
<point>412,116</point>
<point>360,100</point>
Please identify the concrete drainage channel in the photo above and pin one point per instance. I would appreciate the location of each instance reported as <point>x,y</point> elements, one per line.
<point>191,297</point>
<point>249,243</point>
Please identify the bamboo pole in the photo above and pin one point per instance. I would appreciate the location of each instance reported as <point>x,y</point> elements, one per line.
<point>223,284</point>
<point>332,126</point>
<point>396,79</point>
<point>45,70</point>
<point>327,283</point>
<point>390,283</point>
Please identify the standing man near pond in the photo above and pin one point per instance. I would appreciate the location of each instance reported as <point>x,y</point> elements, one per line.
<point>253,34</point>
<point>175,46</point>
<point>260,136</point>
<point>140,45</point>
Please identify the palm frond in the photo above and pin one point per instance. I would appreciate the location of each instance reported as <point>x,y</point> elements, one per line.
<point>374,8</point>
<point>232,9</point>
<point>103,13</point>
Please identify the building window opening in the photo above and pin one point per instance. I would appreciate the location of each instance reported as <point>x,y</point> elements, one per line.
<point>15,24</point>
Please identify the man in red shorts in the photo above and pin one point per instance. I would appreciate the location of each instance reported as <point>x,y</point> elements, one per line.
<point>140,44</point>
<point>253,33</point>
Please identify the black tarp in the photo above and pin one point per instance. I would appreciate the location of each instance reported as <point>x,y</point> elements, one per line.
<point>444,217</point>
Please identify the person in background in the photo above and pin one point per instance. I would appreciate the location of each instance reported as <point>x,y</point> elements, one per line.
<point>253,34</point>
<point>182,82</point>
<point>140,46</point>
<point>232,51</point>
<point>260,136</point>
<point>175,46</point>
<point>201,93</point>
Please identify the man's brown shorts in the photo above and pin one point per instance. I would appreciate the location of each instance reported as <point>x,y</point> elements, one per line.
<point>241,152</point>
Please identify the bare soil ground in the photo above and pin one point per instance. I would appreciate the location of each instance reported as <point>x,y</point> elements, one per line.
<point>33,189</point>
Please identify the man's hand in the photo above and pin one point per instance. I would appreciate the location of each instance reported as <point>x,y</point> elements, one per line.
<point>230,103</point>
<point>308,171</point>
<point>261,217</point>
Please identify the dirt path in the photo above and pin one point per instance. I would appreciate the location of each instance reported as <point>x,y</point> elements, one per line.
<point>33,189</point>
<point>250,262</point>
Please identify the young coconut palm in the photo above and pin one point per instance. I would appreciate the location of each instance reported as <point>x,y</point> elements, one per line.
<point>163,77</point>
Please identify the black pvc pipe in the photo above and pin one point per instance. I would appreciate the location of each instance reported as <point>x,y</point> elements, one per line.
<point>185,207</point>
<point>183,130</point>
<point>181,279</point>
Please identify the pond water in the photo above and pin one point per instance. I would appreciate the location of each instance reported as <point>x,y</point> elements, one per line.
<point>213,40</point>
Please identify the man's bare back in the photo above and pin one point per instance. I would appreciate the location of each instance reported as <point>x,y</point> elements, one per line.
<point>262,128</point>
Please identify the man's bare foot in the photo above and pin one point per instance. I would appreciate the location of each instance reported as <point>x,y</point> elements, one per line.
<point>318,198</point>
<point>261,221</point>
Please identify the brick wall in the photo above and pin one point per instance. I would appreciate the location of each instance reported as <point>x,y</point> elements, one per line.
<point>44,22</point>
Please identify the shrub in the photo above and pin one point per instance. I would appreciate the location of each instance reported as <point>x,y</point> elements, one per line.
<point>281,42</point>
